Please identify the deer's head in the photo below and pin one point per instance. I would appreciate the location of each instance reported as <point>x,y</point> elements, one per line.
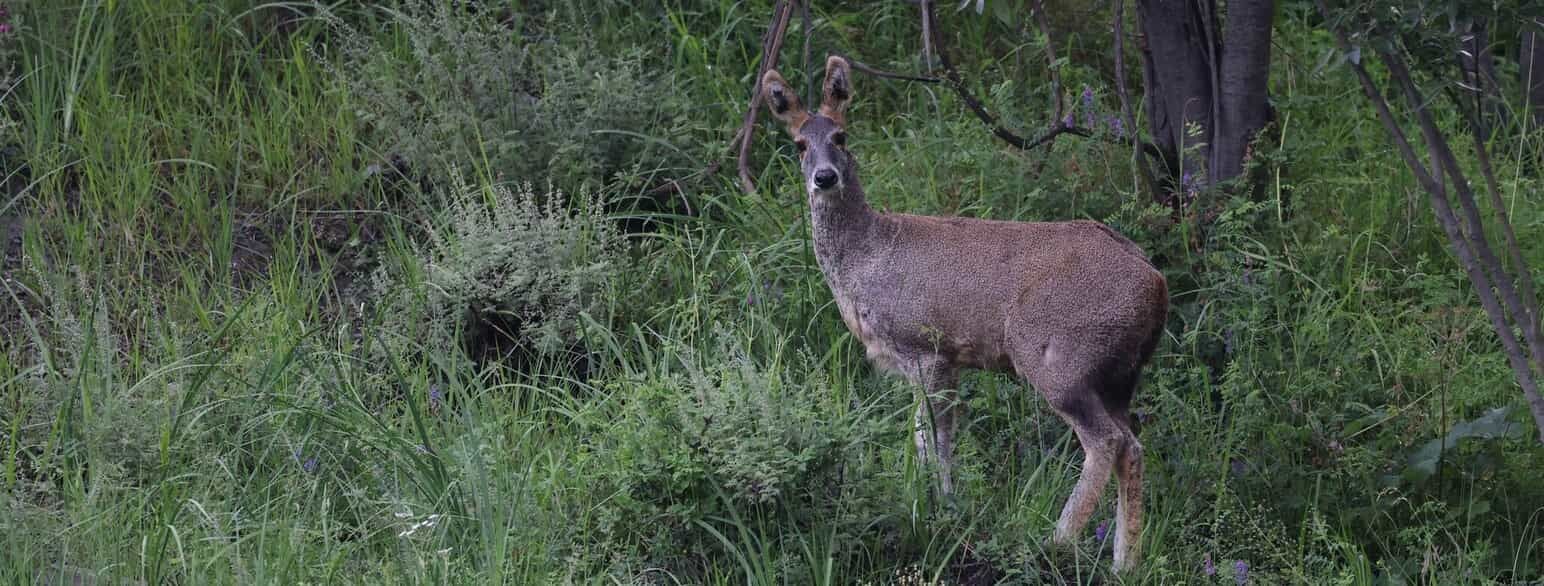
<point>819,135</point>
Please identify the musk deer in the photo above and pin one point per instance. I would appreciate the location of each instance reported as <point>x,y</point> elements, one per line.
<point>1073,307</point>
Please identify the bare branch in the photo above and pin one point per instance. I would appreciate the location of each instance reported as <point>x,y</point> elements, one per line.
<point>1127,118</point>
<point>805,27</point>
<point>771,44</point>
<point>1050,56</point>
<point>954,81</point>
<point>871,70</point>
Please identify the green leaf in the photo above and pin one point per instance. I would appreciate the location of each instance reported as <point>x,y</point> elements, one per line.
<point>1004,11</point>
<point>1492,425</point>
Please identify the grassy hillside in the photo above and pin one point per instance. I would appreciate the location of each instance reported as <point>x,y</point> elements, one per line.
<point>399,292</point>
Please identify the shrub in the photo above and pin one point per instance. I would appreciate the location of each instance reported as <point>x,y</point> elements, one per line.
<point>726,436</point>
<point>502,267</point>
<point>469,87</point>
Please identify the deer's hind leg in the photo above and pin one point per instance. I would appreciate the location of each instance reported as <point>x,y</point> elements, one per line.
<point>1103,442</point>
<point>1128,507</point>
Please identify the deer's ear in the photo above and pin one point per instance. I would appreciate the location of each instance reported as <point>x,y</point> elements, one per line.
<point>838,88</point>
<point>782,101</point>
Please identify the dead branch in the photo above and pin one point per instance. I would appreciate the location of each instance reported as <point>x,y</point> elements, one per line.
<point>771,44</point>
<point>1057,106</point>
<point>954,81</point>
<point>871,70</point>
<point>1127,118</point>
<point>805,29</point>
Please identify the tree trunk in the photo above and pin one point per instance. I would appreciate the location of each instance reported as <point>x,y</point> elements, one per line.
<point>1530,72</point>
<point>1196,75</point>
<point>1177,77</point>
<point>1480,78</point>
<point>1246,67</point>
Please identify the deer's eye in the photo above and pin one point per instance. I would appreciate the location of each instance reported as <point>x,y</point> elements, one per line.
<point>802,145</point>
<point>839,139</point>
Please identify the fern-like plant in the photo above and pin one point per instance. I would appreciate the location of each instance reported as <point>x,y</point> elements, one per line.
<point>503,268</point>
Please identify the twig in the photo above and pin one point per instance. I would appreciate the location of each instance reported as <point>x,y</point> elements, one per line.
<point>952,78</point>
<point>927,35</point>
<point>1058,106</point>
<point>808,32</point>
<point>1127,118</point>
<point>1050,56</point>
<point>871,70</point>
<point>1214,67</point>
<point>771,44</point>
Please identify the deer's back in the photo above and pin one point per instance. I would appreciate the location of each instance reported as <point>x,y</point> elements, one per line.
<point>956,286</point>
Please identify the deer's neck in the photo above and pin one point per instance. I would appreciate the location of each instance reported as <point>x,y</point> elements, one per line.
<point>842,226</point>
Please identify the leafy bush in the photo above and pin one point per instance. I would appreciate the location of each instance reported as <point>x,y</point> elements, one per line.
<point>502,267</point>
<point>469,87</point>
<point>728,435</point>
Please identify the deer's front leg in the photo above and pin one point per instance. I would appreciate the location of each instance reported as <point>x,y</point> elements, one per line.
<point>937,412</point>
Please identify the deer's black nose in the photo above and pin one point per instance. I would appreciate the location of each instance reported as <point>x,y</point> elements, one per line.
<point>825,178</point>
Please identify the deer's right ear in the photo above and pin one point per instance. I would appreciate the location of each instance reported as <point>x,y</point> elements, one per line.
<point>782,101</point>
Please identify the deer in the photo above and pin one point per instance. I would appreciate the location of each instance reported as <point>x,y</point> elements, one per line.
<point>1073,308</point>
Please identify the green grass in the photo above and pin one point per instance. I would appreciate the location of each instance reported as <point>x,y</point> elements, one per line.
<point>198,387</point>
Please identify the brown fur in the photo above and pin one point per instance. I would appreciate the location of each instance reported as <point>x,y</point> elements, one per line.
<point>1073,307</point>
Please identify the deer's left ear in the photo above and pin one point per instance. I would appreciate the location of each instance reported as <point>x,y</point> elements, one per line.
<point>838,88</point>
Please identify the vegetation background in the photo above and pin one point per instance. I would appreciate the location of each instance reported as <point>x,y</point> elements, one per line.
<point>392,293</point>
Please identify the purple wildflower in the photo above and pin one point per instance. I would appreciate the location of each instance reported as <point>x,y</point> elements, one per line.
<point>1191,183</point>
<point>1101,531</point>
<point>1067,122</point>
<point>309,465</point>
<point>435,397</point>
<point>5,29</point>
<point>1207,567</point>
<point>774,288</point>
<point>1088,106</point>
<point>1115,126</point>
<point>750,299</point>
<point>1241,572</point>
